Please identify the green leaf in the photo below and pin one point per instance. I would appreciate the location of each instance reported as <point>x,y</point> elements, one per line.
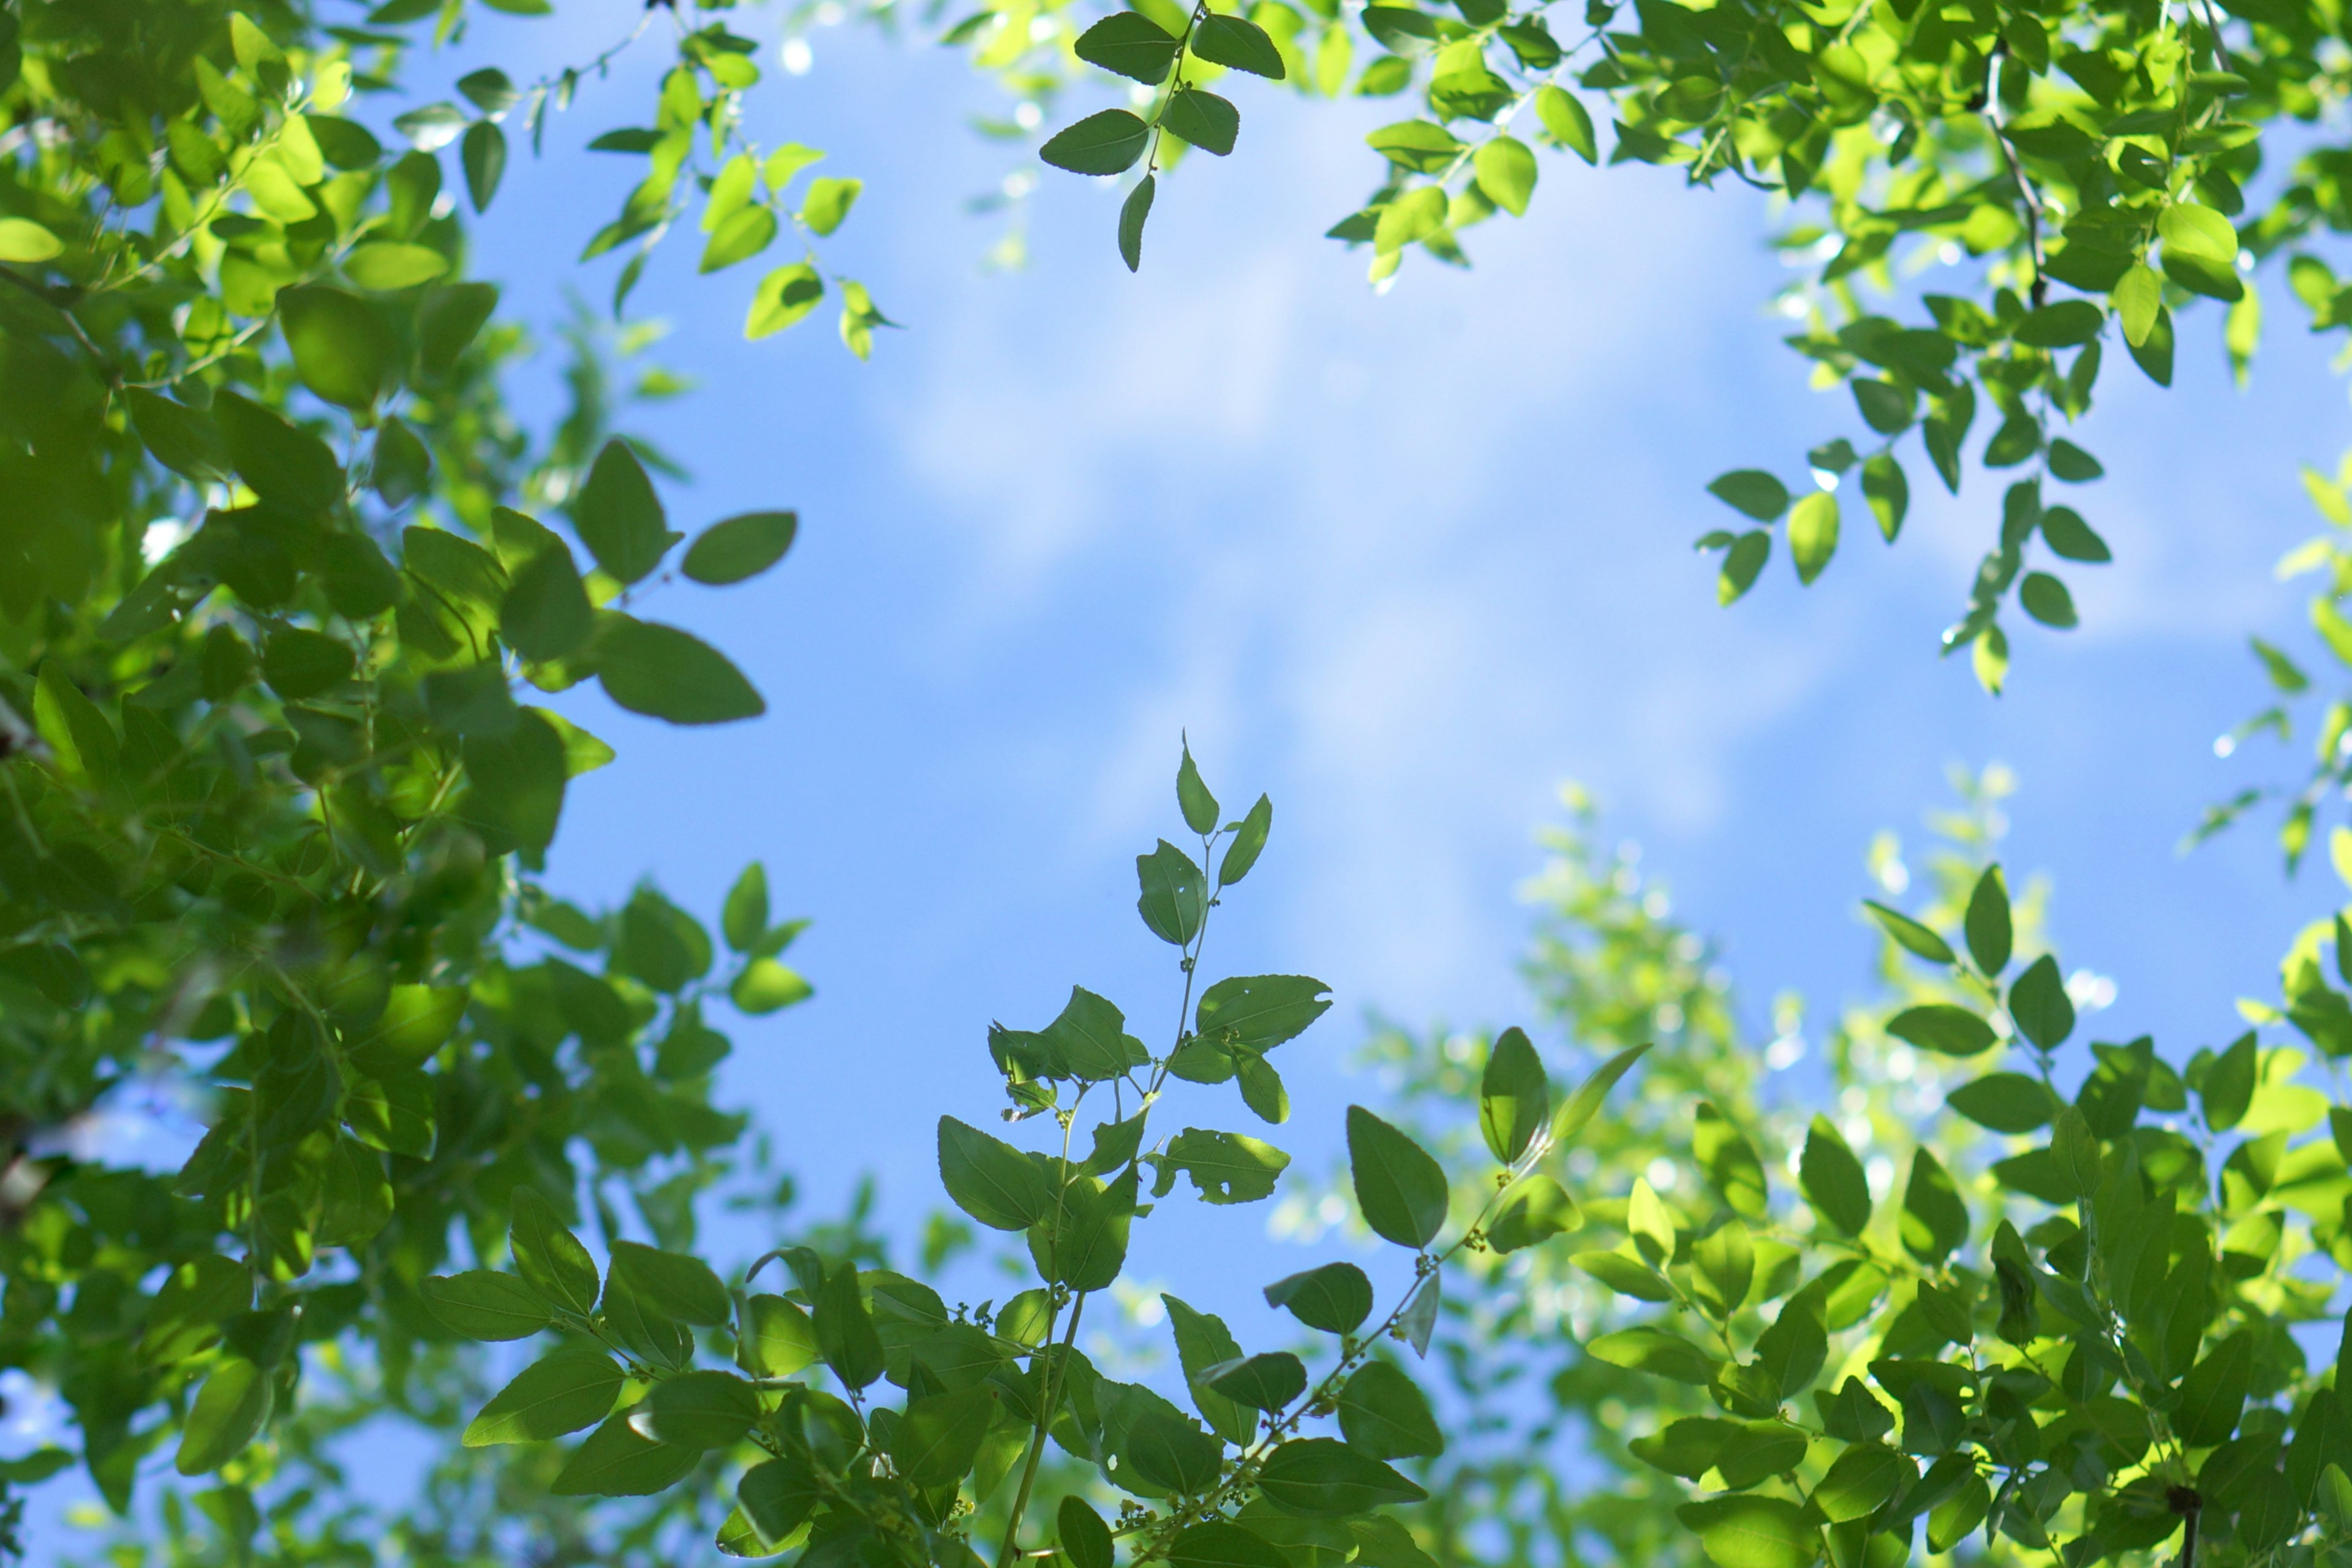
<point>1724,1266</point>
<point>2071,539</point>
<point>1259,1382</point>
<point>618,515</point>
<point>1505,171</point>
<point>766,987</point>
<point>1626,1276</point>
<point>1742,563</point>
<point>1661,1354</point>
<point>1514,1097</point>
<point>1082,1240</point>
<point>1538,1209</point>
<point>1107,142</point>
<point>1133,212</point>
<point>187,1312</point>
<point>1225,1167</point>
<point>545,614</point>
<point>741,547</point>
<point>1206,120</point>
<point>567,1391</point>
<point>827,204</point>
<point>2229,1088</point>
<point>1383,1413</point>
<point>1334,1299</point>
<point>1402,1191</point>
<point>1987,924</point>
<point>1417,145</point>
<point>989,1179</point>
<point>2214,1393</point>
<point>2200,250</point>
<point>1217,1544</point>
<point>1751,1532</point>
<point>1887,491</point>
<point>281,462</point>
<point>1169,1451</point>
<point>550,1258</point>
<point>743,919</point>
<point>698,1410</point>
<point>1752,491</point>
<point>1568,121</point>
<point>182,439</point>
<point>1089,1038</point>
<point>1909,934</point>
<point>778,1339</point>
<point>618,1461</point>
<point>1813,533</point>
<point>482,1305</point>
<point>2008,1102</point>
<point>1864,1477</point>
<point>666,673</point>
<point>935,1442</point>
<point>2039,1004</point>
<point>1832,1179</point>
<point>1130,45</point>
<point>1203,1346</point>
<point>1175,897</point>
<point>739,237</point>
<point>1728,1162</point>
<point>482,154</point>
<point>673,1284</point>
<point>1193,796</point>
<point>1935,1219</point>
<point>1227,41</point>
<point>2062,325</point>
<point>1248,843</point>
<point>1323,1477</point>
<point>26,243</point>
<point>1259,1012</point>
<point>341,349</point>
<point>1590,1094</point>
<point>229,1411</point>
<point>1942,1028</point>
<point>1084,1538</point>
<point>2046,600</point>
<point>776,1499</point>
<point>784,297</point>
<point>846,1337</point>
<point>299,663</point>
<point>385,265</point>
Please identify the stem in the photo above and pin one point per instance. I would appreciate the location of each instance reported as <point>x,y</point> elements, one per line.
<point>2041,289</point>
<point>1048,1395</point>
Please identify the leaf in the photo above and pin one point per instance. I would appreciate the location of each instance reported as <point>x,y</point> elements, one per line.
<point>282,462</point>
<point>1724,1268</point>
<point>2214,1393</point>
<point>1383,1413</point>
<point>482,154</point>
<point>741,547</point>
<point>989,1179</point>
<point>1750,1531</point>
<point>1084,1538</point>
<point>1225,1167</point>
<point>1942,1028</point>
<point>935,1442</point>
<point>1987,923</point>
<point>1204,1345</point>
<point>767,986</point>
<point>182,438</point>
<point>1321,1477</point>
<point>1248,842</point>
<point>26,243</point>
<point>846,1337</point>
<point>784,297</point>
<point>1402,1191</point>
<point>300,663</point>
<point>1514,1097</point>
<point>1133,212</point>
<point>743,919</point>
<point>664,673</point>
<point>1228,40</point>
<point>1935,1219</point>
<point>545,614</point>
<point>1259,1382</point>
<point>1832,1179</point>
<point>1864,1477</point>
<point>1568,122</point>
<point>567,1391</point>
<point>776,1497</point>
<point>2046,600</point>
<point>483,1305</point>
<point>618,515</point>
<point>1206,120</point>
<point>1193,796</point>
<point>550,1258</point>
<point>1334,1299</point>
<point>1887,491</point>
<point>2009,1102</point>
<point>341,349</point>
<point>386,265</point>
<point>673,1284</point>
<point>1174,898</point>
<point>1742,565</point>
<point>1728,1162</point>
<point>778,1339</point>
<point>1169,1451</point>
<point>1259,1012</point>
<point>1647,1348</point>
<point>229,1411</point>
<point>187,1312</point>
<point>1130,45</point>
<point>1909,934</point>
<point>1813,533</point>
<point>1752,491</point>
<point>618,1461</point>
<point>2071,539</point>
<point>2229,1088</point>
<point>1505,171</point>
<point>1626,1276</point>
<point>2200,250</point>
<point>827,204</point>
<point>1107,142</point>
<point>739,237</point>
<point>2039,1004</point>
<point>1417,145</point>
<point>1538,1209</point>
<point>1218,1544</point>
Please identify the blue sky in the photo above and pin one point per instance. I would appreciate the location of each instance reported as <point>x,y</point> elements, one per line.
<point>1404,563</point>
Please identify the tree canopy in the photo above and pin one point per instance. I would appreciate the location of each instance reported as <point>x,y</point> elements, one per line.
<point>278,799</point>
